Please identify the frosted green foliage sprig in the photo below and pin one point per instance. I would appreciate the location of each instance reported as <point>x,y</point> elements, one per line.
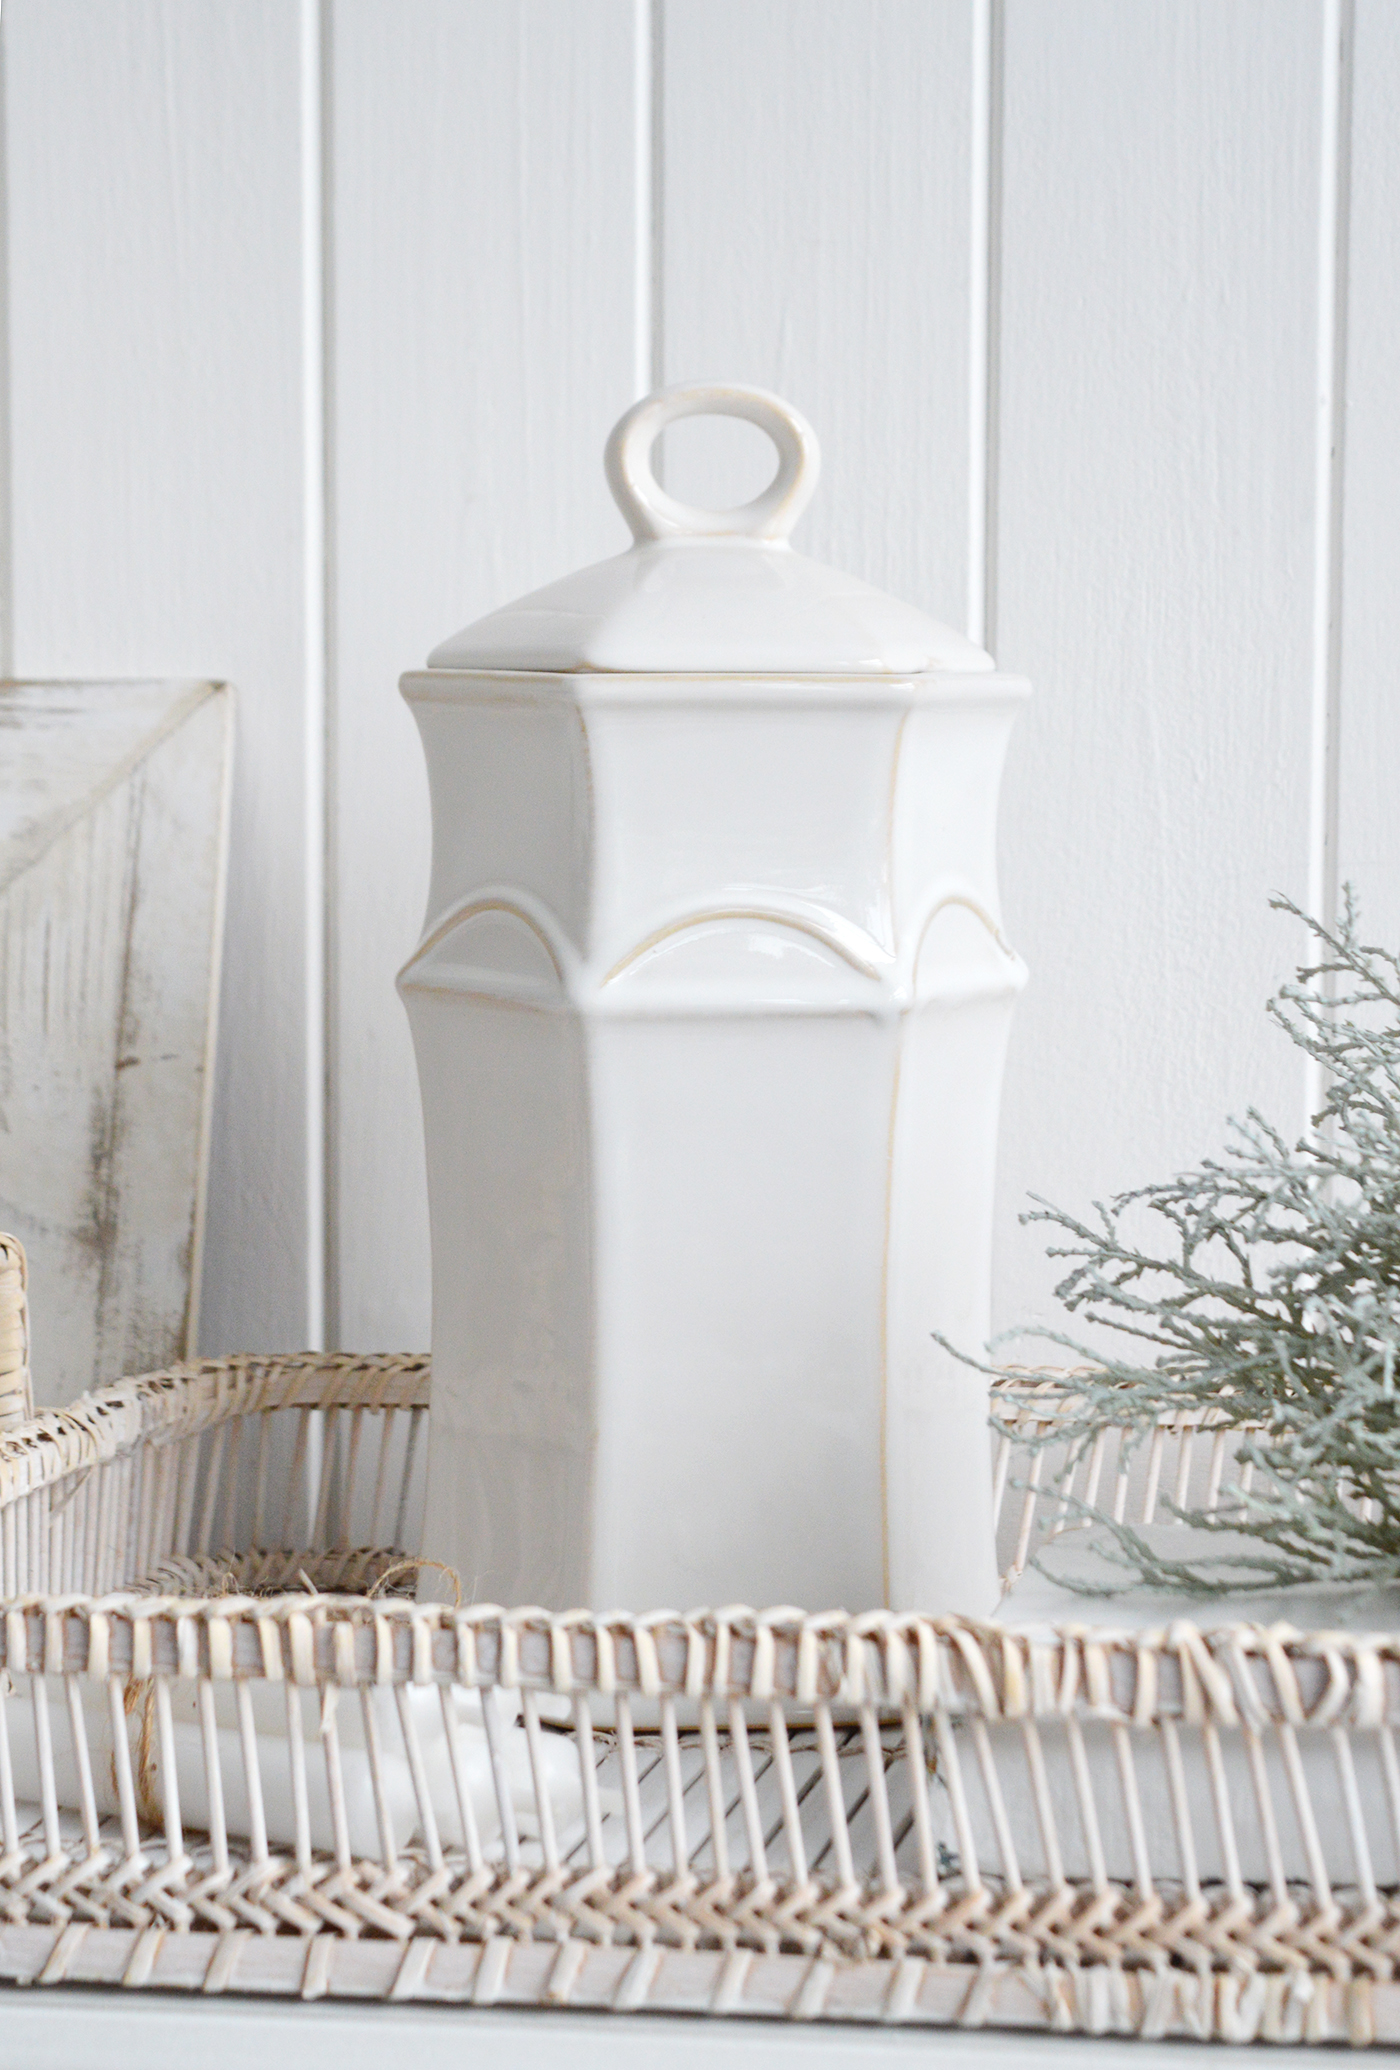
<point>1271,1295</point>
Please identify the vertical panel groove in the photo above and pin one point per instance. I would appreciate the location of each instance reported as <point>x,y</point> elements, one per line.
<point>648,305</point>
<point>984,299</point>
<point>331,1331</point>
<point>657,191</point>
<point>314,643</point>
<point>1333,227</point>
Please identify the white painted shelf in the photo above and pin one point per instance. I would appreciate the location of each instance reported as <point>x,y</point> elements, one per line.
<point>109,2030</point>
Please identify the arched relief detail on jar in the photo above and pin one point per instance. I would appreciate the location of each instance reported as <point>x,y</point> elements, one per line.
<point>502,941</point>
<point>747,936</point>
<point>959,950</point>
<point>496,943</point>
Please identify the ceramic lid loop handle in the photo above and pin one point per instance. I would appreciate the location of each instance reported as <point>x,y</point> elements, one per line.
<point>652,514</point>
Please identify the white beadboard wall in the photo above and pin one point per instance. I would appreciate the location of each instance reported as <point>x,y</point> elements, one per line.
<point>317,312</point>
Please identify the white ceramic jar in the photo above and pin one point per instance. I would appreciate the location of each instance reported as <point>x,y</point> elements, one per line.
<point>710,1012</point>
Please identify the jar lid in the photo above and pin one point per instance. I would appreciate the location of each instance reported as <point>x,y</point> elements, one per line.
<point>711,592</point>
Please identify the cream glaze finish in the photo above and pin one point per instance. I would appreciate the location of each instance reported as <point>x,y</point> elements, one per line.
<point>710,1013</point>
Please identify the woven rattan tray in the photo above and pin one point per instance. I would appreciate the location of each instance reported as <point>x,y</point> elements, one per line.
<point>822,1817</point>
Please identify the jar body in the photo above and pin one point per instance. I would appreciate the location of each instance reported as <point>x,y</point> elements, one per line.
<point>710,1012</point>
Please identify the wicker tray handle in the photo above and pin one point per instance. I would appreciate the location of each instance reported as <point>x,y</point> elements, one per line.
<point>16,1390</point>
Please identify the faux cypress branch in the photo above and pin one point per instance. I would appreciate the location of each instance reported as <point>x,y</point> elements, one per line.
<point>1271,1294</point>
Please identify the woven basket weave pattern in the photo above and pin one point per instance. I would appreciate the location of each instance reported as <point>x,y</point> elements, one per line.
<point>816,1817</point>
